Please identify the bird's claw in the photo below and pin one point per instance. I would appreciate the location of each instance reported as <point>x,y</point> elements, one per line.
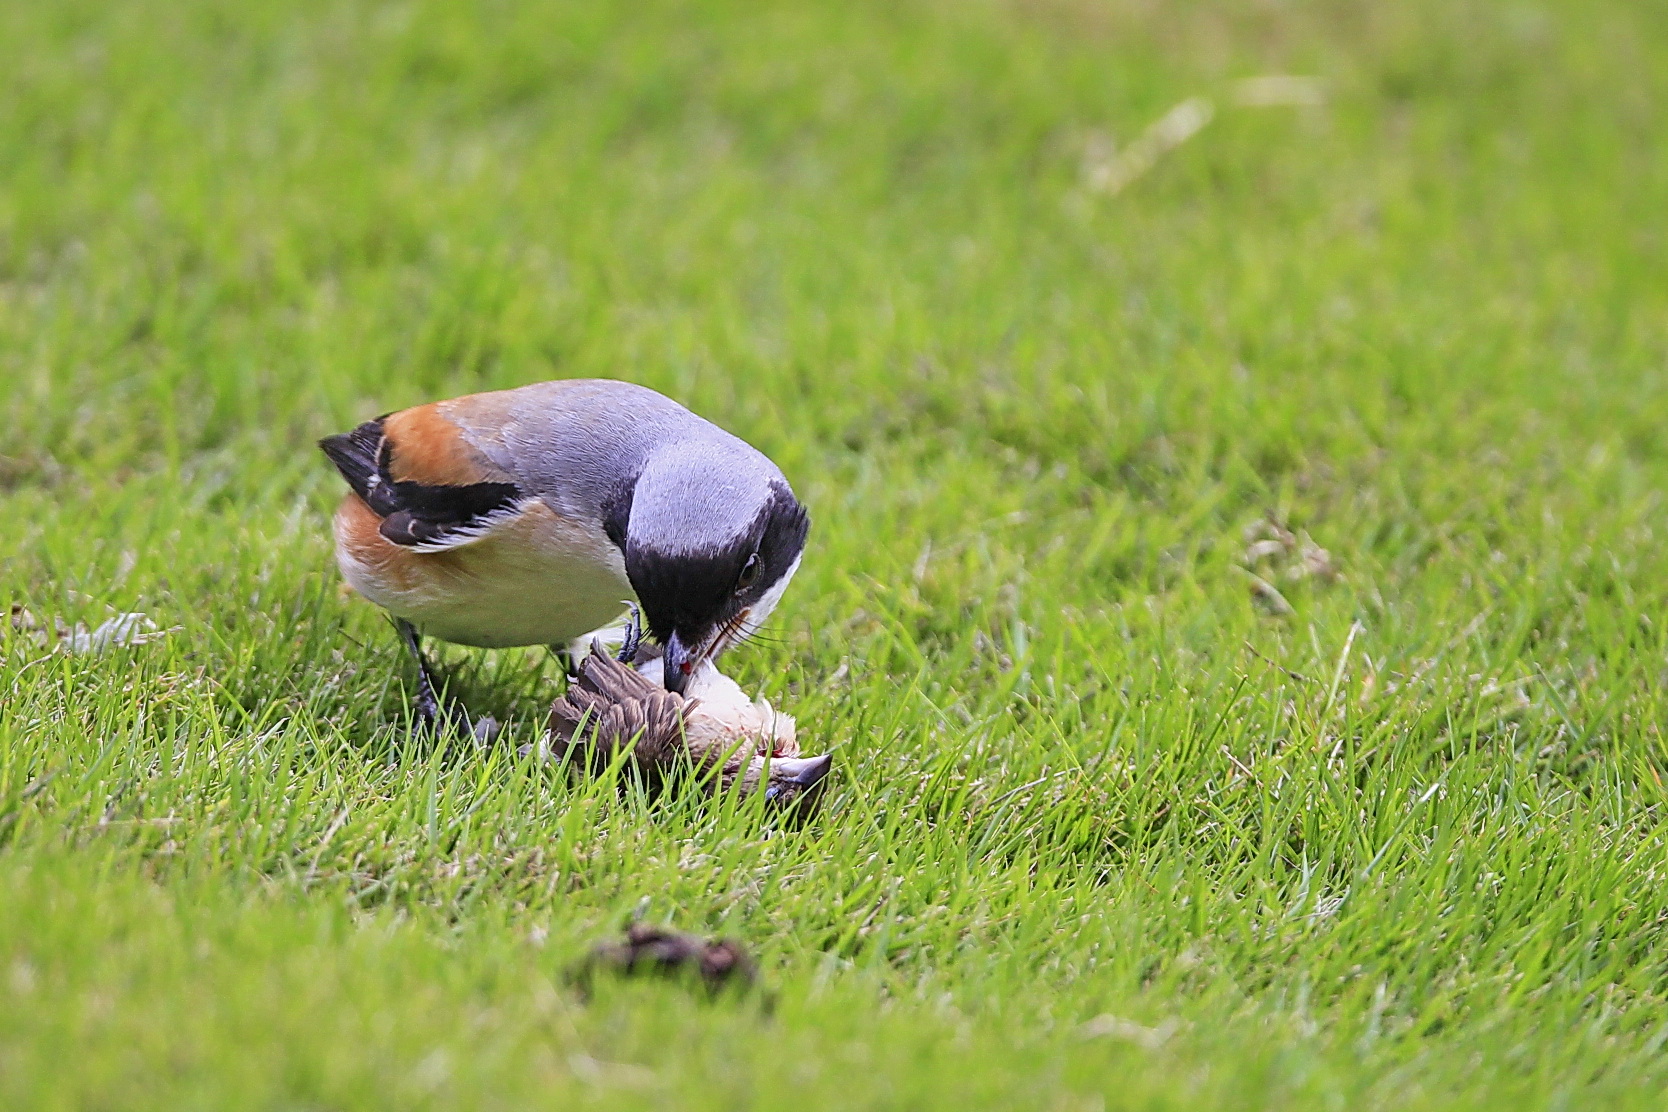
<point>633,635</point>
<point>431,711</point>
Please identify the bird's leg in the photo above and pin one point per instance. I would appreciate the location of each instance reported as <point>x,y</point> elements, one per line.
<point>431,712</point>
<point>633,636</point>
<point>426,705</point>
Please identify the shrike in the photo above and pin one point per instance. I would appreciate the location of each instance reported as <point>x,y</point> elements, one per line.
<point>536,515</point>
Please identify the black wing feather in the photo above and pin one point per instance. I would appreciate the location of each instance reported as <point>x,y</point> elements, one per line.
<point>412,513</point>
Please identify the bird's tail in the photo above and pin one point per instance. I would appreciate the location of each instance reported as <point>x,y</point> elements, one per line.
<point>357,455</point>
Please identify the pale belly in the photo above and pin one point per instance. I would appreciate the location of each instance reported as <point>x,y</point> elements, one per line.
<point>537,580</point>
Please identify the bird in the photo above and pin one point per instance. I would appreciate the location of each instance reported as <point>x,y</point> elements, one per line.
<point>538,514</point>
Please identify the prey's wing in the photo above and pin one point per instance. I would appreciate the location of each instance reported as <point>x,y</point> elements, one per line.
<point>613,705</point>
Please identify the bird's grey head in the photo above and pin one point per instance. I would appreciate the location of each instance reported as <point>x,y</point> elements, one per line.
<point>712,534</point>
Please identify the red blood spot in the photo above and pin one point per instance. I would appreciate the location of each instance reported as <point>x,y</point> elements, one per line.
<point>687,667</point>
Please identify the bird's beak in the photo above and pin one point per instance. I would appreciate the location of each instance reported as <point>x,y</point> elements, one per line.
<point>796,783</point>
<point>807,772</point>
<point>680,662</point>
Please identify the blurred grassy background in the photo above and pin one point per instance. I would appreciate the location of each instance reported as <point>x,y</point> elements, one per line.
<point>1233,597</point>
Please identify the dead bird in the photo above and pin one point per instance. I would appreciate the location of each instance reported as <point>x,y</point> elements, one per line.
<point>661,951</point>
<point>712,726</point>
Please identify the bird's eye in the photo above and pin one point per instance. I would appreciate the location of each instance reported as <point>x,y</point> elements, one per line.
<point>749,572</point>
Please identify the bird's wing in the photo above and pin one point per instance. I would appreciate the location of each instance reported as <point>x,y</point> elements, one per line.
<point>431,489</point>
<point>611,705</point>
<point>575,443</point>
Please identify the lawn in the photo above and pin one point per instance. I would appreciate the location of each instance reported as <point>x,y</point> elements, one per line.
<point>1233,438</point>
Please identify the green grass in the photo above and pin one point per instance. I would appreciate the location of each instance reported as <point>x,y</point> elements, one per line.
<point>1107,831</point>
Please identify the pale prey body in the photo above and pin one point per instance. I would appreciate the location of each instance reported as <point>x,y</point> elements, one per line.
<point>727,713</point>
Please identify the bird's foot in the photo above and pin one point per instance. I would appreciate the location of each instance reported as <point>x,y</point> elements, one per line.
<point>633,636</point>
<point>431,711</point>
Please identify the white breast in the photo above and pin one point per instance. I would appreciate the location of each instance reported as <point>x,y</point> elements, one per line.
<point>536,579</point>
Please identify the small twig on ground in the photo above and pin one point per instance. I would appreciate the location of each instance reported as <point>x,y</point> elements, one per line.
<point>1169,131</point>
<point>1252,649</point>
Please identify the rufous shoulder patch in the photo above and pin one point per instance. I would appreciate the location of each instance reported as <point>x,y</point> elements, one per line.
<point>427,448</point>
